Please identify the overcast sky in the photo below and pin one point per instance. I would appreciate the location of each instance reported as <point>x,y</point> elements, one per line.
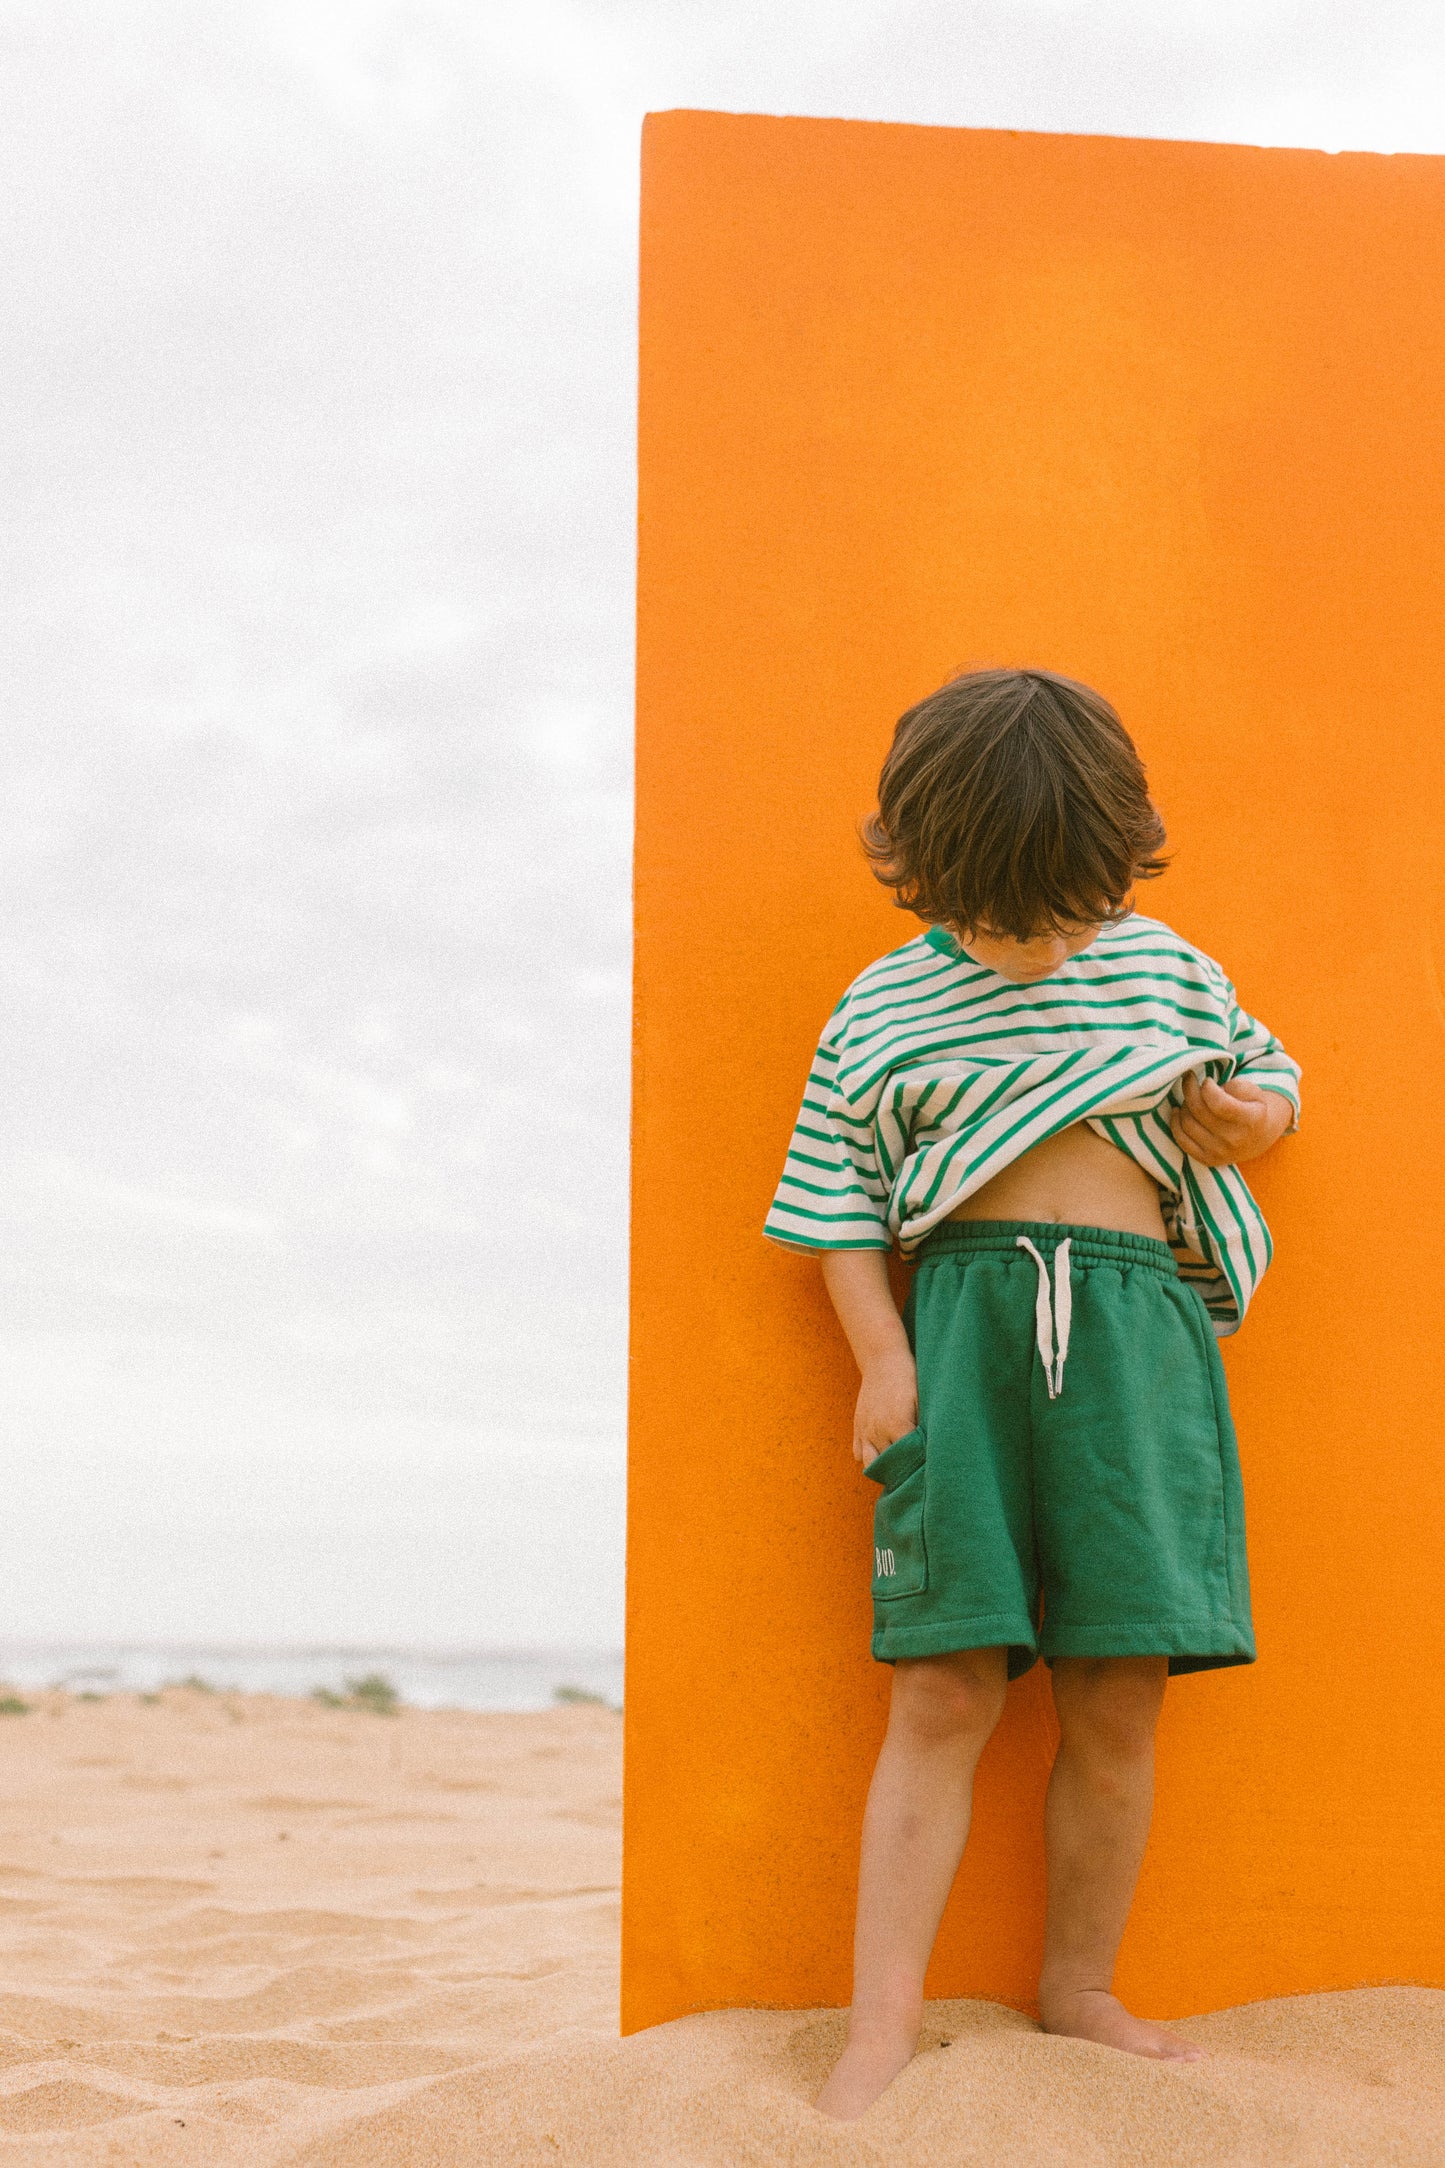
<point>316,372</point>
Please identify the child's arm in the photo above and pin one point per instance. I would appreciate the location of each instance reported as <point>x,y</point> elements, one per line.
<point>858,1286</point>
<point>1223,1124</point>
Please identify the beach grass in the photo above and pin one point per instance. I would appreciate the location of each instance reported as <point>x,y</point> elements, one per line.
<point>373,1691</point>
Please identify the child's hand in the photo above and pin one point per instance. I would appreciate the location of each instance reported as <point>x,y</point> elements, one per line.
<point>887,1403</point>
<point>1222,1124</point>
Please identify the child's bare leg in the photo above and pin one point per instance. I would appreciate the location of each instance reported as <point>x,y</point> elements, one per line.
<point>1096,1821</point>
<point>942,1711</point>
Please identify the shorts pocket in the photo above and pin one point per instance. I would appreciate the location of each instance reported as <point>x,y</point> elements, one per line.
<point>900,1559</point>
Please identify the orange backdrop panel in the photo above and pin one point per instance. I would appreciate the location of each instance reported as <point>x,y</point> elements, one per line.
<point>1164,416</point>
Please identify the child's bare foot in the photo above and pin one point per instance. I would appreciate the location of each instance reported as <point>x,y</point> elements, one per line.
<point>867,2067</point>
<point>1090,2013</point>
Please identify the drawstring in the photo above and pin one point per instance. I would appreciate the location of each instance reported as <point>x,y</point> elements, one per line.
<point>1052,1320</point>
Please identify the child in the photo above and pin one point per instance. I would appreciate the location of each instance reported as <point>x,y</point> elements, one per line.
<point>1045,1099</point>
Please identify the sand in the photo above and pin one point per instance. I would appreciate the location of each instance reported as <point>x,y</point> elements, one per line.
<point>243,1929</point>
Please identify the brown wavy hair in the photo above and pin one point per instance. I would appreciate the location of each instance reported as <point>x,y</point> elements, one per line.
<point>1013,802</point>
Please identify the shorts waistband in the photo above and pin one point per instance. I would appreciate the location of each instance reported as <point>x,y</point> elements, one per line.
<point>1088,1245</point>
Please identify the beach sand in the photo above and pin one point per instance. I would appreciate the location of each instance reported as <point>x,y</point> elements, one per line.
<point>245,1929</point>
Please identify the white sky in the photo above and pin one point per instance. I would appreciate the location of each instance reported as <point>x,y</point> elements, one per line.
<point>316,375</point>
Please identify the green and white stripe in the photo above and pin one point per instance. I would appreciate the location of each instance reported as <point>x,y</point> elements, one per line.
<point>933,1073</point>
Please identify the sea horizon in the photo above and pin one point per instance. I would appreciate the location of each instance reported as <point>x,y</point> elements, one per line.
<point>481,1679</point>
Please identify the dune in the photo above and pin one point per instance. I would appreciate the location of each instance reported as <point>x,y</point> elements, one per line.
<point>240,1929</point>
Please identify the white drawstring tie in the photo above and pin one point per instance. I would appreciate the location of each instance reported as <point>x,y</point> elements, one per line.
<point>1052,1318</point>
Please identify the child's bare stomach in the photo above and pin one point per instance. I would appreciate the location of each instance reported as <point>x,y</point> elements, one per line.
<point>1076,1176</point>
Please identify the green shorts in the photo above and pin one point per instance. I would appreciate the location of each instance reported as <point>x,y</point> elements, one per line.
<point>1072,1488</point>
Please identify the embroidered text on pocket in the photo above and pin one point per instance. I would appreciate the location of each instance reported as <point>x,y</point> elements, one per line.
<point>900,1559</point>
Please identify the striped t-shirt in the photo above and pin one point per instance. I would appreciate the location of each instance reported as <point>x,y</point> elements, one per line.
<point>934,1072</point>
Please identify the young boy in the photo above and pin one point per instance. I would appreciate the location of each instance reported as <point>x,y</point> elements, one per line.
<point>1045,1099</point>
